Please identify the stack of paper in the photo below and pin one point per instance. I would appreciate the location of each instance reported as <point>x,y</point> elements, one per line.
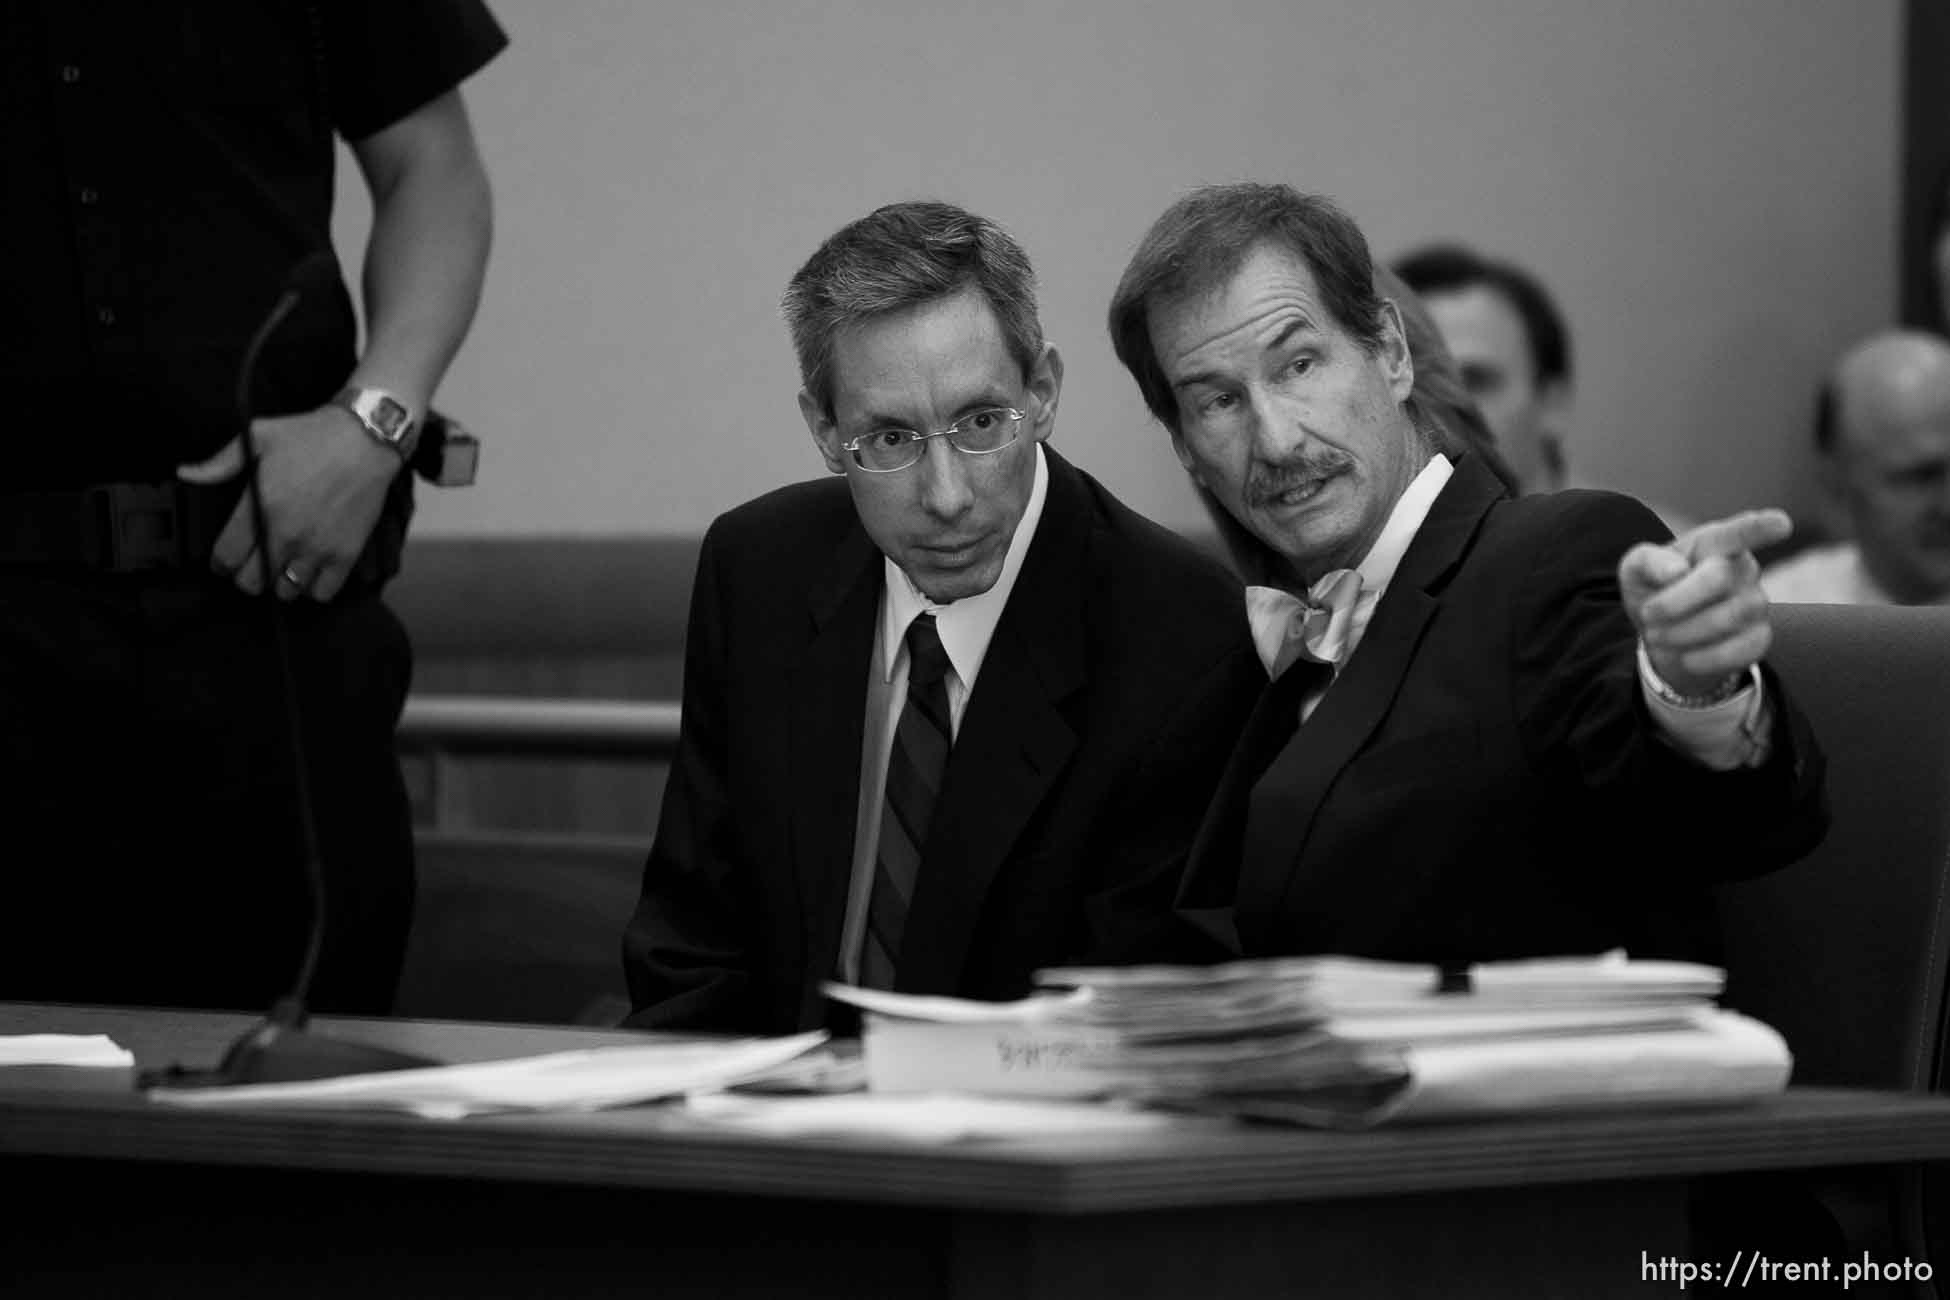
<point>1336,1040</point>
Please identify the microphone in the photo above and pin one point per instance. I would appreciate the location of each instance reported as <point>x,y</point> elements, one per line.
<point>280,1048</point>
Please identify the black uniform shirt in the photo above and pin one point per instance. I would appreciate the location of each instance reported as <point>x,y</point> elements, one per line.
<point>164,165</point>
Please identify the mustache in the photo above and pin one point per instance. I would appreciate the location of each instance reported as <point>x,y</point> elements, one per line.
<point>1267,481</point>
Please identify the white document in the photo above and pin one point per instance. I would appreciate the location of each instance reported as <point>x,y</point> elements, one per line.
<point>591,1079</point>
<point>1722,1056</point>
<point>956,1011</point>
<point>1501,1021</point>
<point>1018,1058</point>
<point>98,1050</point>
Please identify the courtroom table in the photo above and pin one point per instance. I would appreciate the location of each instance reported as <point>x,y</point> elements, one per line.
<point>111,1194</point>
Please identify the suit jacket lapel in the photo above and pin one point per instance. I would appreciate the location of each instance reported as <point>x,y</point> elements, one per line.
<point>1013,744</point>
<point>1211,884</point>
<point>1286,799</point>
<point>825,732</point>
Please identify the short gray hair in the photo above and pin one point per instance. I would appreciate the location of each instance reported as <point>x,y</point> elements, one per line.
<point>900,256</point>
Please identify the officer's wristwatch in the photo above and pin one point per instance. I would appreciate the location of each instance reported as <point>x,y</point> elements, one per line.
<point>384,416</point>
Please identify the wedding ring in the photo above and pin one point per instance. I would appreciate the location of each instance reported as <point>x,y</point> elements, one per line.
<point>295,579</point>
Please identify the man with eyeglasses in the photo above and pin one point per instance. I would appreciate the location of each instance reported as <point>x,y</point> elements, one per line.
<point>953,718</point>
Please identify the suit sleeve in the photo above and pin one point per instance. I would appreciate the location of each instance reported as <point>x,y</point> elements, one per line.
<point>1132,913</point>
<point>686,949</point>
<point>1582,714</point>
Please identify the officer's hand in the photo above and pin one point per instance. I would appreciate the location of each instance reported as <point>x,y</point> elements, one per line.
<point>324,481</point>
<point>1697,601</point>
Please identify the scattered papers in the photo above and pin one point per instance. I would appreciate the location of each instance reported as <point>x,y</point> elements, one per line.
<point>94,1050</point>
<point>933,1118</point>
<point>591,1079</point>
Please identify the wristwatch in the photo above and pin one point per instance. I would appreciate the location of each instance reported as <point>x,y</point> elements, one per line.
<point>384,416</point>
<point>1726,690</point>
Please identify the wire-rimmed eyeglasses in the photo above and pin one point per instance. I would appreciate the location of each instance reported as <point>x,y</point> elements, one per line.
<point>979,433</point>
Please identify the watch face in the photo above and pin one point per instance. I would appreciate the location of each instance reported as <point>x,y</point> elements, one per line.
<point>384,416</point>
<point>389,417</point>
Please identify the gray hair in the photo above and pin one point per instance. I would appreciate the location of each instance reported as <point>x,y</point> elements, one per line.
<point>900,256</point>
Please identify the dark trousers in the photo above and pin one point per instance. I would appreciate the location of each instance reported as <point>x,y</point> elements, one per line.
<point>149,843</point>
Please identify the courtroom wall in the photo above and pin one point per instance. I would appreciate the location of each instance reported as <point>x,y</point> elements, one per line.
<point>1708,185</point>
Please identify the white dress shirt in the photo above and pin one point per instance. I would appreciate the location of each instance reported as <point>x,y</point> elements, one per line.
<point>966,627</point>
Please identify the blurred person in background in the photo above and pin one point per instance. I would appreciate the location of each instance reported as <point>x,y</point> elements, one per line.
<point>1882,436</point>
<point>1513,349</point>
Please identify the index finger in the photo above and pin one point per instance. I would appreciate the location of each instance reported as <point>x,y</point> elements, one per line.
<point>1747,531</point>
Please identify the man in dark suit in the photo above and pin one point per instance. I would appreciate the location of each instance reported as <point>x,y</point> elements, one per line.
<point>952,719</point>
<point>1486,734</point>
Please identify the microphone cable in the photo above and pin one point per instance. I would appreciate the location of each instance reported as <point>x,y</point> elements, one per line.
<point>290,1010</point>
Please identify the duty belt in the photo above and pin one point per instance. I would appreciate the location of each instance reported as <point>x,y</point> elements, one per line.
<point>145,527</point>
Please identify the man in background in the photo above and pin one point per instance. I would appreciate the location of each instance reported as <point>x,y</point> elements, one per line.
<point>1513,349</point>
<point>168,182</point>
<point>951,716</point>
<point>1511,346</point>
<point>1882,433</point>
<point>1494,727</point>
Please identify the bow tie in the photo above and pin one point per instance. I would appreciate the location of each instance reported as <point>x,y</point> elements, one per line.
<point>1316,626</point>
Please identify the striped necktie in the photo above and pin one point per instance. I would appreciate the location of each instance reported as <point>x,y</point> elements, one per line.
<point>914,768</point>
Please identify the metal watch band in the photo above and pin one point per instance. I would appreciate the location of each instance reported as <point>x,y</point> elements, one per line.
<point>1664,690</point>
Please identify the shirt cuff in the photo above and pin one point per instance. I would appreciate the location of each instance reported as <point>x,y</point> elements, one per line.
<point>1725,736</point>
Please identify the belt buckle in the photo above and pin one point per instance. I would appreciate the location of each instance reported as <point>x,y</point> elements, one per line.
<point>140,526</point>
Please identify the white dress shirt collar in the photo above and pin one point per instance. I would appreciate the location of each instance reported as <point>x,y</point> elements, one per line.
<point>1377,567</point>
<point>966,626</point>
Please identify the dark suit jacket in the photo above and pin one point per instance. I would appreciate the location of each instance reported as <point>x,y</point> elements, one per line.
<point>1108,702</point>
<point>1484,780</point>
